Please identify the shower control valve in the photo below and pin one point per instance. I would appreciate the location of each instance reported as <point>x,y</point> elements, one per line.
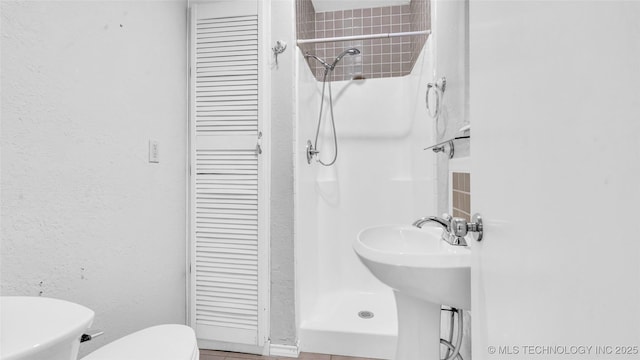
<point>311,152</point>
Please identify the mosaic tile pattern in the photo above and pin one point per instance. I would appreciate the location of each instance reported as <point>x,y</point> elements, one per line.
<point>461,196</point>
<point>379,58</point>
<point>305,24</point>
<point>420,20</point>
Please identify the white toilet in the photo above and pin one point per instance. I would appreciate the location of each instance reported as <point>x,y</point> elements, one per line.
<point>38,328</point>
<point>162,342</point>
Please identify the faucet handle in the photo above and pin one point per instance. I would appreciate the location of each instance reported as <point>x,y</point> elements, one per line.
<point>448,218</point>
<point>458,231</point>
<point>460,227</point>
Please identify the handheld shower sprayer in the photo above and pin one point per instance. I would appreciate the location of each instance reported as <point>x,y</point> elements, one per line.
<point>350,51</point>
<point>312,149</point>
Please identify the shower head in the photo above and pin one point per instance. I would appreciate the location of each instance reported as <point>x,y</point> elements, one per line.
<point>349,51</point>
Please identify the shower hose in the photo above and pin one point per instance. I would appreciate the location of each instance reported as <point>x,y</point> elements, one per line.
<point>327,79</point>
<point>453,352</point>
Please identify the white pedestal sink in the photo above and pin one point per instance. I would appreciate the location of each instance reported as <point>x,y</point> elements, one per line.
<point>425,272</point>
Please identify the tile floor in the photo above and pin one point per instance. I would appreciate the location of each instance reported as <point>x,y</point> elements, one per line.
<point>223,355</point>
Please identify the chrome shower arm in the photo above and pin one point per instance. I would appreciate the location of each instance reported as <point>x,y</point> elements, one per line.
<point>324,63</point>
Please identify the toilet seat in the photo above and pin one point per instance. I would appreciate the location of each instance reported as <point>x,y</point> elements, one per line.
<point>162,342</point>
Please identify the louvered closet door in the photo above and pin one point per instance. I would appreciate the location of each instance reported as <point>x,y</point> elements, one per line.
<point>228,299</point>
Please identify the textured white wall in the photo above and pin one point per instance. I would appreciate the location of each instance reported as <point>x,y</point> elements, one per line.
<point>283,327</point>
<point>306,202</point>
<point>85,217</point>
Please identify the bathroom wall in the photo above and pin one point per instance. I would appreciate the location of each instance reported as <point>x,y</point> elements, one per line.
<point>283,86</point>
<point>451,61</point>
<point>306,25</point>
<point>85,216</point>
<point>450,42</point>
<point>379,58</point>
<point>461,195</point>
<point>305,199</point>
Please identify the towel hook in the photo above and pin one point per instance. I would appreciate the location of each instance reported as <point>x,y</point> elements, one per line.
<point>280,47</point>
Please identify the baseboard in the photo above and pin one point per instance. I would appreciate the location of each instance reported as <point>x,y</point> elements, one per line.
<point>233,347</point>
<point>278,350</point>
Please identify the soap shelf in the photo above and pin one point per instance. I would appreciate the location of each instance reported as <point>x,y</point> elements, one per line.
<point>440,147</point>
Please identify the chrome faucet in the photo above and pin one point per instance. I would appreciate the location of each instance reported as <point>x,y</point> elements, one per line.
<point>445,223</point>
<point>452,231</point>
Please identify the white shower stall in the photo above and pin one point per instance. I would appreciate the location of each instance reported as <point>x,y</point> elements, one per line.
<point>381,176</point>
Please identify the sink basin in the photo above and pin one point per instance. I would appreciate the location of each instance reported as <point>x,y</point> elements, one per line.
<point>35,328</point>
<point>425,272</point>
<point>417,262</point>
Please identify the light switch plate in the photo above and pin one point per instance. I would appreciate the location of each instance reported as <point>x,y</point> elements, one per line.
<point>154,151</point>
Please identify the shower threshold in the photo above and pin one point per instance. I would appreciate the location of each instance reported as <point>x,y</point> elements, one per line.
<point>351,323</point>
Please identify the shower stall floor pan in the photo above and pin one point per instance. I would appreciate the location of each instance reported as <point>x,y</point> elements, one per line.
<point>335,326</point>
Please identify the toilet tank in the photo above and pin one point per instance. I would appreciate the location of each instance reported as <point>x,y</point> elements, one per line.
<point>39,328</point>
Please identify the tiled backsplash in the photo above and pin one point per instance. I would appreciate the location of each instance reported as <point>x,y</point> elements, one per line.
<point>388,57</point>
<point>461,196</point>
